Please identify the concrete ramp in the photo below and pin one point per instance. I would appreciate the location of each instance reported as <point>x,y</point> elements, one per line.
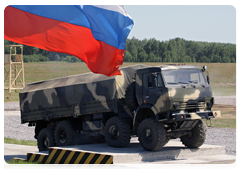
<point>173,152</point>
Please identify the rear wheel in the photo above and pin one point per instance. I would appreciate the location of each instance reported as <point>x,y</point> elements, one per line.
<point>117,133</point>
<point>45,139</point>
<point>64,134</point>
<point>197,136</point>
<point>151,135</point>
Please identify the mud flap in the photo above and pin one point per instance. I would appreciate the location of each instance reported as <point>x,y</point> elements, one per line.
<point>208,122</point>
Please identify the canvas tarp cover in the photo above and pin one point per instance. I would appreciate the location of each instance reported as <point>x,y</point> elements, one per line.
<point>76,89</point>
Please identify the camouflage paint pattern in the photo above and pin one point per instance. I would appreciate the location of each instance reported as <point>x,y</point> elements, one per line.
<point>94,93</point>
<point>82,94</point>
<point>161,99</point>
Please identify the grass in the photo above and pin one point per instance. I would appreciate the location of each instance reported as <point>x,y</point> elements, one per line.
<point>227,119</point>
<point>28,165</point>
<point>223,123</point>
<point>20,142</point>
<point>14,96</point>
<point>224,91</point>
<point>222,76</point>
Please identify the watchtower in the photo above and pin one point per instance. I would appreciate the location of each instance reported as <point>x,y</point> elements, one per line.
<point>13,68</point>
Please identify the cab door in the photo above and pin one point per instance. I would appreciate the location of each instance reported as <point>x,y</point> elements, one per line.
<point>154,91</point>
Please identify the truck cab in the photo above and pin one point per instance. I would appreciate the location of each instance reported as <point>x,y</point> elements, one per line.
<point>177,95</point>
<point>172,90</point>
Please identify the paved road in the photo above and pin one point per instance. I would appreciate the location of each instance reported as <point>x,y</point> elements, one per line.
<point>20,151</point>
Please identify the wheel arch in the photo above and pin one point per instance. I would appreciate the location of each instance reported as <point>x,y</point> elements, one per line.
<point>145,111</point>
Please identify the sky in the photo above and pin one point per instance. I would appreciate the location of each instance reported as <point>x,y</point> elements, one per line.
<point>208,23</point>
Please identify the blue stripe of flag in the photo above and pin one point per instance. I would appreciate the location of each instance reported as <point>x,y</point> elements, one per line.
<point>108,26</point>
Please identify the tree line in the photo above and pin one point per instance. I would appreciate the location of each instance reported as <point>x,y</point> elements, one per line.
<point>150,50</point>
<point>178,50</point>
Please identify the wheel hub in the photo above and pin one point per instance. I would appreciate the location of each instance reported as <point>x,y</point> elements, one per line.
<point>63,136</point>
<point>147,135</point>
<point>114,132</point>
<point>46,142</point>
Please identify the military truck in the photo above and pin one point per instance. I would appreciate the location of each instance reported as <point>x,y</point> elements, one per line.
<point>155,104</point>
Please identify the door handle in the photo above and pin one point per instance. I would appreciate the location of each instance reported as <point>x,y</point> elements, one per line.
<point>147,97</point>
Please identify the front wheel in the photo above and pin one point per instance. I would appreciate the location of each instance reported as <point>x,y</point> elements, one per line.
<point>151,135</point>
<point>197,136</point>
<point>117,133</point>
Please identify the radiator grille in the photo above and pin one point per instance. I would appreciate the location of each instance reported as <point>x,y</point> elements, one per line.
<point>187,105</point>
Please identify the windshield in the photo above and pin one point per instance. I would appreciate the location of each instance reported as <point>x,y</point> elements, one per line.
<point>181,76</point>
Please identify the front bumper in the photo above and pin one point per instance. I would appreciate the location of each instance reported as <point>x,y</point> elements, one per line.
<point>180,116</point>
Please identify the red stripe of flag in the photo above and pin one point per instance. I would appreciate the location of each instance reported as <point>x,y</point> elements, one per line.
<point>33,30</point>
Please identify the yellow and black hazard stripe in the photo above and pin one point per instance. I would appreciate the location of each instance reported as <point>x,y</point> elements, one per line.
<point>62,156</point>
<point>37,157</point>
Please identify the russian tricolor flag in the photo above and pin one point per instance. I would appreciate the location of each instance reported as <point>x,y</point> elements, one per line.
<point>95,34</point>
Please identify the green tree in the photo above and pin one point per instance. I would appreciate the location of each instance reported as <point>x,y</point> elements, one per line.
<point>67,59</point>
<point>142,55</point>
<point>74,59</point>
<point>226,59</point>
<point>128,57</point>
<point>56,57</point>
<point>132,49</point>
<point>204,59</point>
<point>167,56</point>
<point>152,57</point>
<point>216,59</point>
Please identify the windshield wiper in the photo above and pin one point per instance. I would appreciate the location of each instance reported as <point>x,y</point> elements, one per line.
<point>171,83</point>
<point>180,82</point>
<point>183,82</point>
<point>195,81</point>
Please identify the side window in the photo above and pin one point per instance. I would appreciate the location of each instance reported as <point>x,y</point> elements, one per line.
<point>150,82</point>
<point>159,80</point>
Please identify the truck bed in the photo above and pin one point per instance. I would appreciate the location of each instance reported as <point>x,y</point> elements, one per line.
<point>74,95</point>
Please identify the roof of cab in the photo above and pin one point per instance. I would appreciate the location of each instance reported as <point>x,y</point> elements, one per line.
<point>178,66</point>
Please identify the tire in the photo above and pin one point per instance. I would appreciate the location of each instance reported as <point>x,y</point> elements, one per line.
<point>39,126</point>
<point>117,133</point>
<point>64,134</point>
<point>197,138</point>
<point>45,139</point>
<point>151,135</point>
<point>130,97</point>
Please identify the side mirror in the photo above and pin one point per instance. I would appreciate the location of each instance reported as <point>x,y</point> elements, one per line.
<point>204,68</point>
<point>208,79</point>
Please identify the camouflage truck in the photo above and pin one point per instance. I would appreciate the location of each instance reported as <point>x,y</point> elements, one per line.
<point>154,103</point>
